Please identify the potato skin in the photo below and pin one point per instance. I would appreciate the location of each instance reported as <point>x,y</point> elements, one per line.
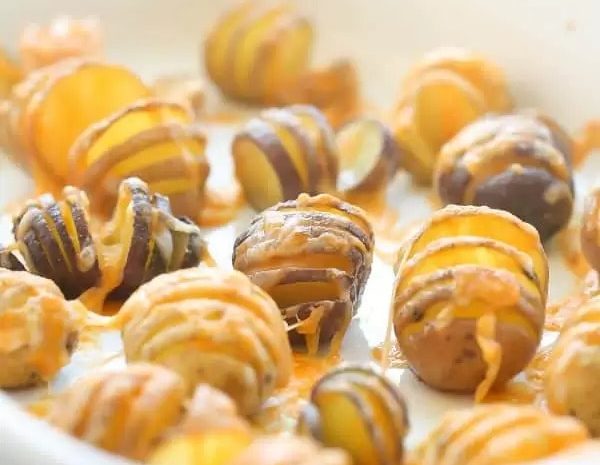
<point>278,249</point>
<point>500,160</point>
<point>438,308</point>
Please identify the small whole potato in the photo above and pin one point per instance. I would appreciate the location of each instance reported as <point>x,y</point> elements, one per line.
<point>38,329</point>
<point>55,240</point>
<point>211,326</point>
<point>572,376</point>
<point>313,256</point>
<point>500,160</point>
<point>357,409</point>
<point>469,298</point>
<point>124,411</point>
<point>498,434</point>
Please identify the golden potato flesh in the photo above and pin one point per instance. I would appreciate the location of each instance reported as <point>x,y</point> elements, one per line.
<point>73,98</point>
<point>38,329</point>
<point>498,434</point>
<point>211,326</point>
<point>469,298</point>
<point>123,411</point>
<point>358,410</point>
<point>573,369</point>
<point>313,256</point>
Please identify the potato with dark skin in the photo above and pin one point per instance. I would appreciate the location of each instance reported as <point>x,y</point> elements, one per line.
<point>285,152</point>
<point>498,434</point>
<point>38,330</point>
<point>469,298</point>
<point>357,409</point>
<point>55,241</point>
<point>313,256</point>
<point>510,162</point>
<point>151,240</point>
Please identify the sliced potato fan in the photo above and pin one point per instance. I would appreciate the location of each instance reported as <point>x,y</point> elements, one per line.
<point>152,140</point>
<point>53,106</point>
<point>313,256</point>
<point>283,153</point>
<point>469,298</point>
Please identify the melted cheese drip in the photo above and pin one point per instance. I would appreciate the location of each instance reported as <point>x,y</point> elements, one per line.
<point>587,142</point>
<point>491,352</point>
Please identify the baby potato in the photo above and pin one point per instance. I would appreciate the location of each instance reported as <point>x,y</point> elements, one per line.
<point>469,298</point>
<point>211,326</point>
<point>283,153</point>
<point>38,329</point>
<point>500,160</point>
<point>55,240</point>
<point>498,434</point>
<point>572,375</point>
<point>357,409</point>
<point>313,256</point>
<point>125,411</point>
<point>146,239</point>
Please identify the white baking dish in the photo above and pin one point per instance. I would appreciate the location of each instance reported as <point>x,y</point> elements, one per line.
<point>550,50</point>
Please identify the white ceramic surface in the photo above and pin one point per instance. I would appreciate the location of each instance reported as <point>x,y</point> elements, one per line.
<point>550,50</point>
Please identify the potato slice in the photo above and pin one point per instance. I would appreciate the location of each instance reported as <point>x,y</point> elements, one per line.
<point>322,136</point>
<point>69,102</point>
<point>263,166</point>
<point>454,222</point>
<point>369,156</point>
<point>358,410</point>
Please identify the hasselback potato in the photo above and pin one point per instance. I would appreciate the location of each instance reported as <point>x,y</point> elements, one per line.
<point>284,152</point>
<point>445,91</point>
<point>497,434</point>
<point>150,139</point>
<point>124,411</point>
<point>38,329</point>
<point>511,162</point>
<point>313,256</point>
<point>55,240</point>
<point>357,409</point>
<point>211,326</point>
<point>469,298</point>
<point>52,106</point>
<point>572,375</point>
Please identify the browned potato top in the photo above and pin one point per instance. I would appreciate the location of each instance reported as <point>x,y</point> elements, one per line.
<point>511,162</point>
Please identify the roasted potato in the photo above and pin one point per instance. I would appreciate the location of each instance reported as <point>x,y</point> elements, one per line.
<point>443,93</point>
<point>210,326</point>
<point>55,240</point>
<point>590,229</point>
<point>211,433</point>
<point>313,256</point>
<point>497,434</point>
<point>65,37</point>
<point>54,105</point>
<point>500,160</point>
<point>357,409</point>
<point>572,375</point>
<point>149,139</point>
<point>38,329</point>
<point>280,155</point>
<point>257,48</point>
<point>125,411</point>
<point>369,156</point>
<point>143,239</point>
<point>469,298</point>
